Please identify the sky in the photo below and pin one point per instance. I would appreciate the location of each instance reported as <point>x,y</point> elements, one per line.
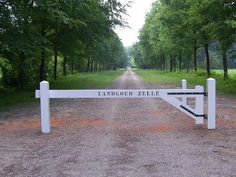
<point>136,19</point>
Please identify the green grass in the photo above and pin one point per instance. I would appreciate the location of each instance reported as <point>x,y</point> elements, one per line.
<point>232,72</point>
<point>9,98</point>
<point>193,78</point>
<point>86,80</point>
<point>13,98</point>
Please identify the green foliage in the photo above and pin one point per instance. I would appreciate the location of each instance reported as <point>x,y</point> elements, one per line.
<point>175,30</point>
<point>16,98</point>
<point>41,37</point>
<point>193,79</point>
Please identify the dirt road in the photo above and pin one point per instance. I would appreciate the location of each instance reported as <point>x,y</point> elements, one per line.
<point>117,138</point>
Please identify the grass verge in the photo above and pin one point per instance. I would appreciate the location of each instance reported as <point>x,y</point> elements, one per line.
<point>193,78</point>
<point>9,98</point>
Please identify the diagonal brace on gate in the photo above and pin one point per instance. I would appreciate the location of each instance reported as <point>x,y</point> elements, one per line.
<point>196,113</point>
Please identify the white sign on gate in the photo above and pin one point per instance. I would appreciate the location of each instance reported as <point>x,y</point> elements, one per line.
<point>169,95</point>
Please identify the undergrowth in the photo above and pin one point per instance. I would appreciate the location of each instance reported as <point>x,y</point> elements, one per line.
<point>10,97</point>
<point>193,78</point>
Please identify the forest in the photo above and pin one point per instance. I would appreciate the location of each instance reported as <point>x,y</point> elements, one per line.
<point>47,39</point>
<point>188,34</point>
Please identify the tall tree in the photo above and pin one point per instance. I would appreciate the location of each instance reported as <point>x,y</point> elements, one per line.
<point>34,33</point>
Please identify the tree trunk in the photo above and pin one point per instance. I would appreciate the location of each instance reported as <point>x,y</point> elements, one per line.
<point>180,61</point>
<point>225,63</point>
<point>64,66</point>
<point>171,64</point>
<point>72,66</point>
<point>187,66</point>
<point>42,75</point>
<point>114,67</point>
<point>21,75</point>
<point>195,55</point>
<point>100,67</point>
<point>78,67</point>
<point>164,62</point>
<point>174,63</point>
<point>161,64</point>
<point>194,50</point>
<point>88,65</point>
<point>91,66</point>
<point>96,66</point>
<point>207,61</point>
<point>55,62</point>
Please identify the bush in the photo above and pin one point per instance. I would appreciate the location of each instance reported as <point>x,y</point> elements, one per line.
<point>201,73</point>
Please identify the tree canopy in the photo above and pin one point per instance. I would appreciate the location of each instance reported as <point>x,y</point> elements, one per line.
<point>40,39</point>
<point>177,31</point>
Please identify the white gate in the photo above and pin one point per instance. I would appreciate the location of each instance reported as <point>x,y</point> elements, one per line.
<point>175,97</point>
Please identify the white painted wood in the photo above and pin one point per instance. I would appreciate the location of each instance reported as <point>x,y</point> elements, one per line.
<point>142,93</point>
<point>184,86</point>
<point>169,95</point>
<point>177,104</point>
<point>199,105</point>
<point>211,89</point>
<point>45,107</point>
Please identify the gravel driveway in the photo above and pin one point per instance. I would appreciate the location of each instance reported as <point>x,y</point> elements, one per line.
<point>117,138</point>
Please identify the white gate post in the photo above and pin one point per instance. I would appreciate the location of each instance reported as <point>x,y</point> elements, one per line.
<point>211,89</point>
<point>184,86</point>
<point>199,104</point>
<point>45,107</point>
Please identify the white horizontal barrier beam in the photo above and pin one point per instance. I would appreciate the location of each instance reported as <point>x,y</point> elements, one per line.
<point>120,93</point>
